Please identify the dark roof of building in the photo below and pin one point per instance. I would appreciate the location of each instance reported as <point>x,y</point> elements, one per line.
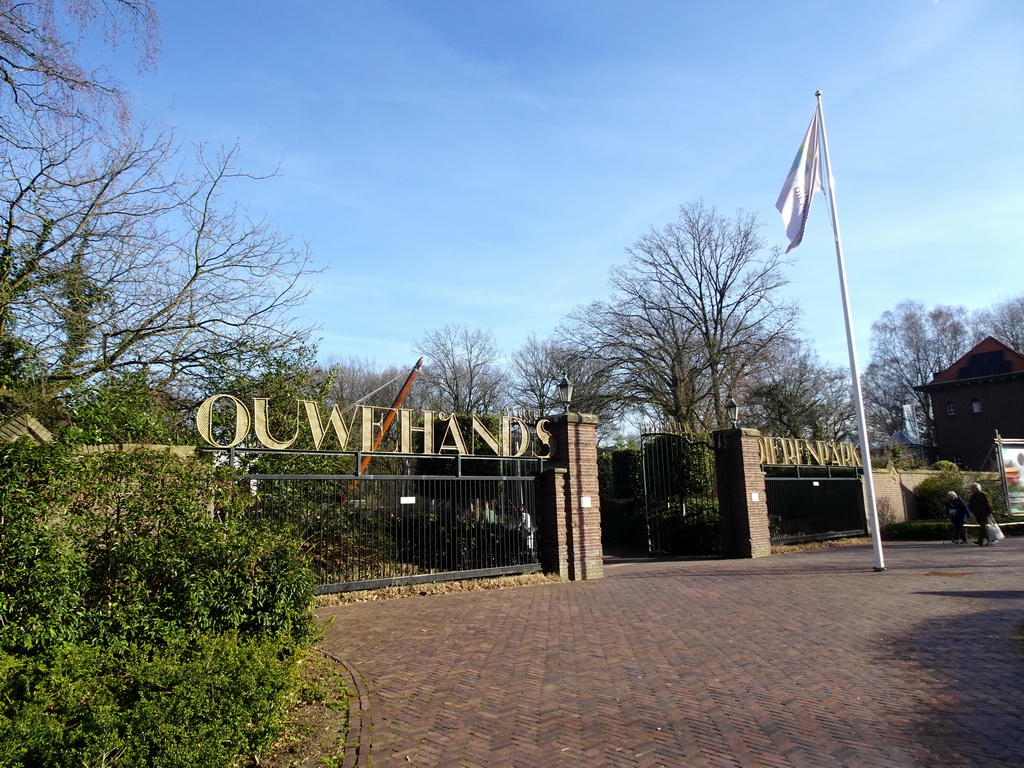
<point>988,360</point>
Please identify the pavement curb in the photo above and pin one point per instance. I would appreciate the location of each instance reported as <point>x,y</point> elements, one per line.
<point>357,740</point>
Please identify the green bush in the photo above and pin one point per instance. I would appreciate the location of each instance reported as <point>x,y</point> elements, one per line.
<point>121,408</point>
<point>189,704</point>
<point>605,486</point>
<point>124,547</point>
<point>627,473</point>
<point>624,523</point>
<point>697,532</point>
<point>143,620</point>
<point>931,492</point>
<point>918,530</point>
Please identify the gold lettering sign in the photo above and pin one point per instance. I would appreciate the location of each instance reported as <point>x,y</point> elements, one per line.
<point>204,420</point>
<point>261,425</point>
<point>522,431</point>
<point>406,426</point>
<point>425,432</point>
<point>316,424</point>
<point>546,447</point>
<point>452,439</point>
<point>797,451</point>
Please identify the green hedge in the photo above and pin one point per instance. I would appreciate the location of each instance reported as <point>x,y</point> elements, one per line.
<point>201,702</point>
<point>143,620</point>
<point>937,530</point>
<point>918,530</point>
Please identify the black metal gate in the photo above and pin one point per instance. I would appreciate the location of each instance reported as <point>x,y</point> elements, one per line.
<point>826,505</point>
<point>468,518</point>
<point>680,503</point>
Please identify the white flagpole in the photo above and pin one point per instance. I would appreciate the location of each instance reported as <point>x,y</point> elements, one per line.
<point>858,400</point>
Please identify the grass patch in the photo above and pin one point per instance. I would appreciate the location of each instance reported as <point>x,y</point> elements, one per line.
<point>316,724</point>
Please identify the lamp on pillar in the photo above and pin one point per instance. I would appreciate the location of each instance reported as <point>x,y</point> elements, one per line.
<point>565,393</point>
<point>732,409</point>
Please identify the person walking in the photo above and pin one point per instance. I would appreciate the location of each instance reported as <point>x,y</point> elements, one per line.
<point>981,508</point>
<point>958,514</point>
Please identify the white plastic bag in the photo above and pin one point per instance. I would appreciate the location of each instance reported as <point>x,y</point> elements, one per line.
<point>994,534</point>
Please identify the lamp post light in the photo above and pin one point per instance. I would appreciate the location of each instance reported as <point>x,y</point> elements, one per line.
<point>732,409</point>
<point>565,393</point>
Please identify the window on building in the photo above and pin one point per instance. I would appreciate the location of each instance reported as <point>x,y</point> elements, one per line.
<point>958,459</point>
<point>975,405</point>
<point>950,408</point>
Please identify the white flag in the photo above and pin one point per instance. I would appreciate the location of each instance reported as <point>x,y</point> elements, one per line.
<point>910,421</point>
<point>804,180</point>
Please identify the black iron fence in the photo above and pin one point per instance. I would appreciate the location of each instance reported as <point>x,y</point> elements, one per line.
<point>364,531</point>
<point>804,508</point>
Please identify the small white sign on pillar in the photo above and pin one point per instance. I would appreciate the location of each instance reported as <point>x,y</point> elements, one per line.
<point>585,502</point>
<point>755,496</point>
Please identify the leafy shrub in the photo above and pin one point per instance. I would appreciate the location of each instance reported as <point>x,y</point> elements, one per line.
<point>679,514</point>
<point>447,543</point>
<point>124,547</point>
<point>620,474</point>
<point>697,532</point>
<point>184,703</point>
<point>118,409</point>
<point>605,486</point>
<point>627,478</point>
<point>624,523</point>
<point>931,492</point>
<point>143,621</point>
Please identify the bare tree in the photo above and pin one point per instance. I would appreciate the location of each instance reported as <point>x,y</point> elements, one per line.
<point>357,381</point>
<point>647,356</point>
<point>536,368</point>
<point>884,398</point>
<point>1005,321</point>
<point>909,345</point>
<point>695,307</point>
<point>111,262</point>
<point>793,394</point>
<point>39,66</point>
<point>461,372</point>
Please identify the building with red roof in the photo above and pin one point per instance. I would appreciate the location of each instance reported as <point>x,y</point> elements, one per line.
<point>980,394</point>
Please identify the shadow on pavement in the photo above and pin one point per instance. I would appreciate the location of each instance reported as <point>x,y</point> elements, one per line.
<point>994,594</point>
<point>974,715</point>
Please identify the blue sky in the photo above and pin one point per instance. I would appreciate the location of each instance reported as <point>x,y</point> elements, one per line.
<point>465,161</point>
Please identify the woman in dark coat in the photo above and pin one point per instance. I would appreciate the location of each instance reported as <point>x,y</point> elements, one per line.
<point>958,515</point>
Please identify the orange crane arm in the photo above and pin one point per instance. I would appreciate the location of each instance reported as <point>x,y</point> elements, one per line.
<point>392,412</point>
<point>385,425</point>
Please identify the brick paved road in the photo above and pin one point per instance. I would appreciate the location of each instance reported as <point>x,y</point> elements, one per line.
<point>797,660</point>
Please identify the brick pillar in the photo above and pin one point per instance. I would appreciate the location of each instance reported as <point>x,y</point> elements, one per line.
<point>741,493</point>
<point>569,503</point>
